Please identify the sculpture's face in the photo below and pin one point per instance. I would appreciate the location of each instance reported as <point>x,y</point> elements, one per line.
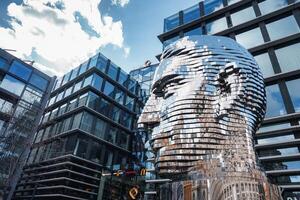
<point>207,100</point>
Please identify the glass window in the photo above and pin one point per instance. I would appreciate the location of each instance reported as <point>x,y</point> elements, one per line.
<point>264,62</point>
<point>123,77</point>
<point>195,31</point>
<point>38,81</point>
<point>108,156</point>
<point>77,86</point>
<point>119,97</point>
<point>276,139</point>
<point>281,165</point>
<point>131,85</point>
<point>58,83</point>
<point>275,105</point>
<point>102,63</point>
<point>97,82</point>
<point>171,22</point>
<point>68,91</point>
<point>96,152</point>
<point>212,5</point>
<point>3,64</point>
<point>282,28</point>
<point>250,38</point>
<point>82,99</point>
<point>242,16</point>
<point>122,139</point>
<point>273,127</point>
<point>81,148</point>
<point>279,151</point>
<point>115,113</point>
<point>93,100</point>
<point>129,102</point>
<point>216,26</point>
<point>83,67</point>
<point>232,1</point>
<point>93,61</point>
<point>109,89</point>
<point>100,128</point>
<point>87,122</point>
<point>74,73</point>
<point>293,88</point>
<point>5,107</point>
<point>170,41</point>
<point>66,78</point>
<point>271,5</point>
<point>76,121</point>
<point>288,57</point>
<point>111,134</point>
<point>54,113</point>
<point>12,85</point>
<point>191,14</point>
<point>112,71</point>
<point>62,109</point>
<point>87,81</point>
<point>32,95</point>
<point>104,107</point>
<point>60,96</point>
<point>20,70</point>
<point>72,104</point>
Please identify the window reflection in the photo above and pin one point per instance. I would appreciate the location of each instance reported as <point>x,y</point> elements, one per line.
<point>242,16</point>
<point>232,1</point>
<point>264,62</point>
<point>38,82</point>
<point>195,31</point>
<point>212,5</point>
<point>171,22</point>
<point>273,127</point>
<point>12,85</point>
<point>276,139</point>
<point>20,70</point>
<point>112,71</point>
<point>293,88</point>
<point>282,165</point>
<point>271,5</point>
<point>282,28</point>
<point>191,14</point>
<point>288,57</point>
<point>109,89</point>
<point>250,38</point>
<point>275,105</point>
<point>216,26</point>
<point>278,152</point>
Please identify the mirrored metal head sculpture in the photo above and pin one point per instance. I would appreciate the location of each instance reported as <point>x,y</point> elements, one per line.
<point>208,99</point>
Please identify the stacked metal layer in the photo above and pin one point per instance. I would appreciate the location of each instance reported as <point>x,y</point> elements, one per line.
<point>208,99</point>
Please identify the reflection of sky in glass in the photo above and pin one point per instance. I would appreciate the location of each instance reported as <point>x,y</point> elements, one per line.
<point>171,22</point>
<point>264,62</point>
<point>232,1</point>
<point>286,151</point>
<point>282,28</point>
<point>275,139</point>
<point>294,91</point>
<point>295,179</point>
<point>212,5</point>
<point>242,16</point>
<point>169,41</point>
<point>191,14</point>
<point>196,31</point>
<point>273,127</point>
<point>288,57</point>
<point>275,104</point>
<point>292,164</point>
<point>12,85</point>
<point>250,38</point>
<point>216,26</point>
<point>271,5</point>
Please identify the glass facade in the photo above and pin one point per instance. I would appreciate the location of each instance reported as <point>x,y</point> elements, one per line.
<point>23,96</point>
<point>269,29</point>
<point>91,119</point>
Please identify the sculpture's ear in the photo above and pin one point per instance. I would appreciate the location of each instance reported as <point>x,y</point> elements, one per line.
<point>229,89</point>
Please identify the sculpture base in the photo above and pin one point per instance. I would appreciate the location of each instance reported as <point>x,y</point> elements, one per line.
<point>237,186</point>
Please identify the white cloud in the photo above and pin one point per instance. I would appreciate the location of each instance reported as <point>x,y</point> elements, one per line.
<point>122,3</point>
<point>55,35</point>
<point>126,51</point>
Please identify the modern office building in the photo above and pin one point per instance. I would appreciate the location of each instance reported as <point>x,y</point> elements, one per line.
<point>270,30</point>
<point>144,75</point>
<point>87,132</point>
<point>24,91</point>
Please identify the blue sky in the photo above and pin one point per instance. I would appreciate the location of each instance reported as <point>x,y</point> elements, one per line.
<point>61,34</point>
